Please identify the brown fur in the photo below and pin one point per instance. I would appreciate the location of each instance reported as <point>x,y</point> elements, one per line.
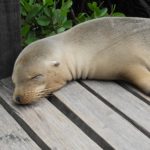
<point>107,48</point>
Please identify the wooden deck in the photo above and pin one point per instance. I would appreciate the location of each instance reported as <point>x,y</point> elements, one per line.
<point>85,115</point>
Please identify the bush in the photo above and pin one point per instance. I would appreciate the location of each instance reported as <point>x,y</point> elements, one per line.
<point>41,18</point>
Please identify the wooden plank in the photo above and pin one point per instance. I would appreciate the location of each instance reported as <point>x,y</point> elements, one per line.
<point>136,92</point>
<point>54,128</point>
<point>102,119</point>
<point>124,101</point>
<point>12,136</point>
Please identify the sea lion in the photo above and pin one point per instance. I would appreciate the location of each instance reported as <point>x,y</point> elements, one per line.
<point>108,48</point>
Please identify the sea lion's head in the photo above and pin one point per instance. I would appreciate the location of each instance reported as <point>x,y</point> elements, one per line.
<point>36,75</point>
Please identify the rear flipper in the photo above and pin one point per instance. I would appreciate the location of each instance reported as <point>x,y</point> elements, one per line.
<point>139,76</point>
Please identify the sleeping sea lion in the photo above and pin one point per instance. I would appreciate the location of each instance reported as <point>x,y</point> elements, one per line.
<point>111,48</point>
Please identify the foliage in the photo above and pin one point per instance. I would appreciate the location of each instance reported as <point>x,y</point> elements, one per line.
<point>41,18</point>
<point>97,12</point>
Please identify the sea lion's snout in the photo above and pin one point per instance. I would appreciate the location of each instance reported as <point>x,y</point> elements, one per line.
<point>22,100</point>
<point>18,99</point>
<point>28,95</point>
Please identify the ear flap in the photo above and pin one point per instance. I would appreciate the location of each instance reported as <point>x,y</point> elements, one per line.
<point>55,63</point>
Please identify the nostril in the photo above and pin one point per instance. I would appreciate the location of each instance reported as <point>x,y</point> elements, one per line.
<point>18,99</point>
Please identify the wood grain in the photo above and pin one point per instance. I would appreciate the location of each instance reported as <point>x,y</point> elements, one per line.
<point>12,136</point>
<point>55,129</point>
<point>136,92</point>
<point>124,101</point>
<point>112,127</point>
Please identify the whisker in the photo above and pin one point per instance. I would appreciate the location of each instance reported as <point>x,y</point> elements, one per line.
<point>39,93</point>
<point>47,89</point>
<point>41,90</point>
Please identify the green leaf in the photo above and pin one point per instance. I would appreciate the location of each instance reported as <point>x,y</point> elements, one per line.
<point>90,6</point>
<point>62,2</point>
<point>31,2</point>
<point>103,12</point>
<point>64,11</point>
<point>60,30</point>
<point>118,14</point>
<point>25,5</point>
<point>61,20</point>
<point>25,30</point>
<point>82,17</point>
<point>30,38</point>
<point>52,33</point>
<point>34,11</point>
<point>57,17</point>
<point>23,11</point>
<point>94,4</point>
<point>65,8</point>
<point>68,4</point>
<point>67,24</point>
<point>96,12</point>
<point>48,2</point>
<point>45,31</point>
<point>47,11</point>
<point>43,21</point>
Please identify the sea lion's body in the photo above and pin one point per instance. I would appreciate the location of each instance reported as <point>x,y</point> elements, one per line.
<point>106,48</point>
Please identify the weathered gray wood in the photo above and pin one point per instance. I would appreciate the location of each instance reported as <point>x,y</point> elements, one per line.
<point>9,35</point>
<point>7,82</point>
<point>107,123</point>
<point>135,90</point>
<point>124,101</point>
<point>12,136</point>
<point>55,129</point>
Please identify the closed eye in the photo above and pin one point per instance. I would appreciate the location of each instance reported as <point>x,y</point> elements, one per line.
<point>39,76</point>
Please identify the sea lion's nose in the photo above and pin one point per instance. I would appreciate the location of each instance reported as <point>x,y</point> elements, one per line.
<point>18,99</point>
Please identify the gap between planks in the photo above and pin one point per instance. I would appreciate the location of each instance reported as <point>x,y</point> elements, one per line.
<point>80,123</point>
<point>58,129</point>
<point>135,92</point>
<point>12,136</point>
<point>120,136</point>
<point>24,125</point>
<point>107,123</point>
<point>106,92</point>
